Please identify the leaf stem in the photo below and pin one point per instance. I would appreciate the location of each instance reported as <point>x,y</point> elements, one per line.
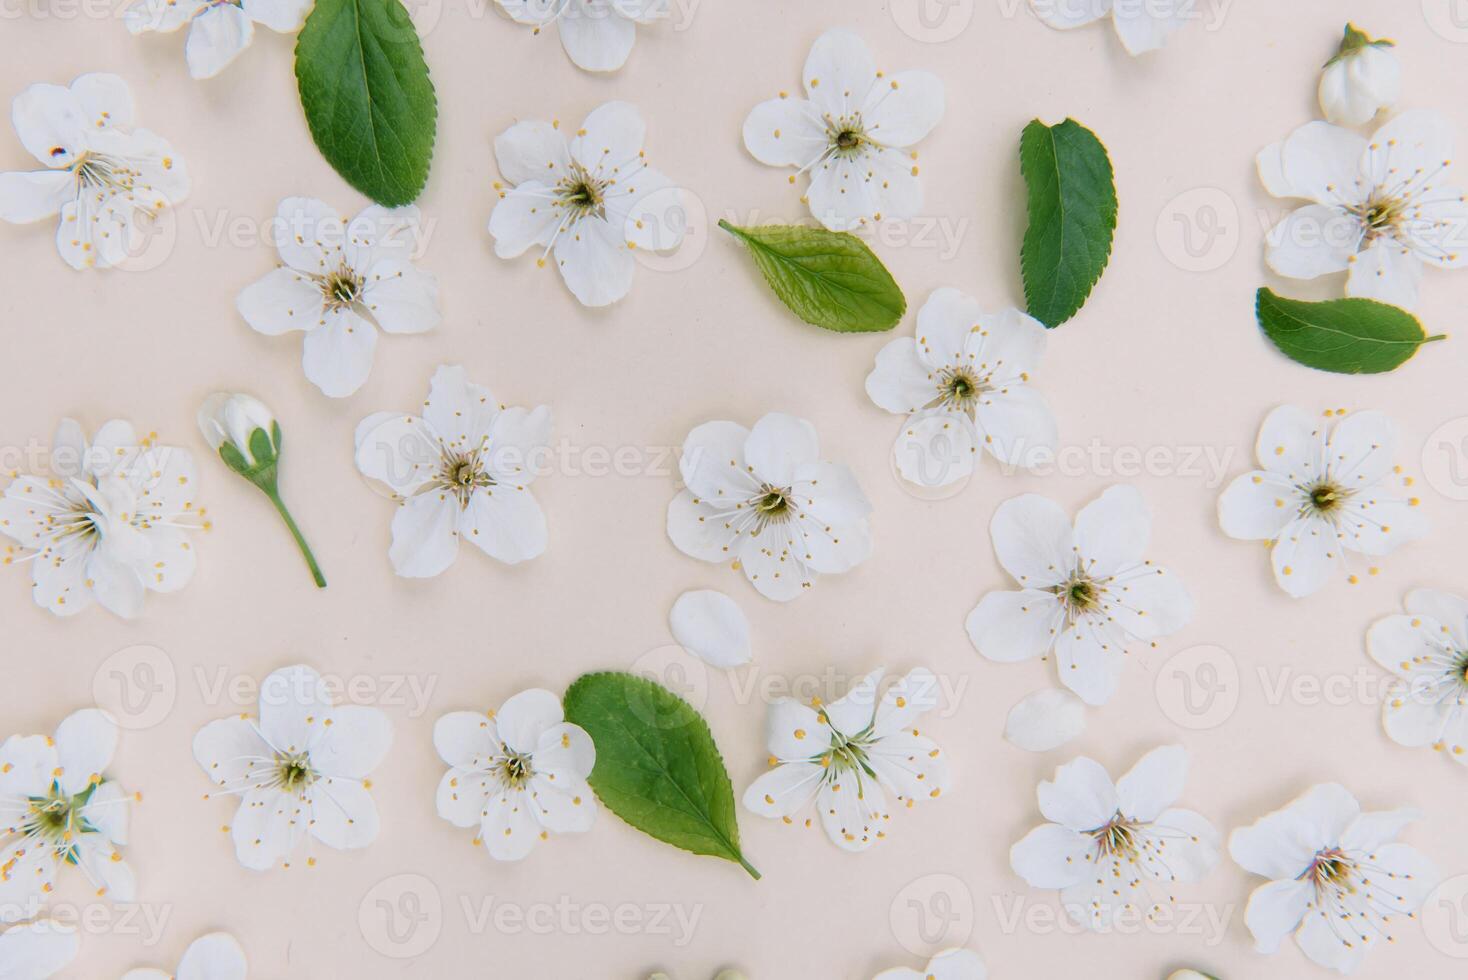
<point>1436,336</point>
<point>749,867</point>
<point>290,523</point>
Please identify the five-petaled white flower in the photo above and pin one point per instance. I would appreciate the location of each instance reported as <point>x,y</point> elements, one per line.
<point>1321,491</point>
<point>1363,78</point>
<point>59,808</point>
<point>461,470</point>
<point>338,278</point>
<point>763,499</point>
<point>848,755</point>
<point>518,774</point>
<point>963,383</point>
<point>1142,25</point>
<point>37,950</point>
<point>300,769</point>
<point>597,34</point>
<point>108,524</point>
<point>1381,208</point>
<point>1338,879</point>
<point>106,178</point>
<point>1115,850</point>
<point>219,30</point>
<point>216,956</point>
<point>853,133</point>
<point>951,964</point>
<point>590,200</point>
<point>1427,652</point>
<point>1085,593</point>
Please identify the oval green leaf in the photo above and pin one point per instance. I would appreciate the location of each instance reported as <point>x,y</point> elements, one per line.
<point>367,97</point>
<point>1072,206</point>
<point>657,766</point>
<point>827,278</point>
<point>1346,336</point>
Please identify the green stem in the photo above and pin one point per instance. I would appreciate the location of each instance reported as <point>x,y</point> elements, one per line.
<point>290,522</point>
<point>749,867</point>
<point>1436,336</point>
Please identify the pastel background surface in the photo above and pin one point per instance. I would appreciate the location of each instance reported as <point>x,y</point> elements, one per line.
<point>1163,359</point>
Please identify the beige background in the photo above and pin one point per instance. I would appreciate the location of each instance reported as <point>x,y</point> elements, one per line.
<point>1162,358</point>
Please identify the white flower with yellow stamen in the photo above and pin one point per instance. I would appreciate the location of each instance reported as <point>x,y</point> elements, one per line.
<point>1322,490</point>
<point>337,279</point>
<point>518,774</point>
<point>853,133</point>
<point>460,471</point>
<point>58,808</point>
<point>963,382</point>
<point>1338,879</point>
<point>37,950</point>
<point>109,524</point>
<point>597,35</point>
<point>106,178</point>
<point>1086,592</point>
<point>589,200</point>
<point>763,499</point>
<point>1426,651</point>
<point>1114,850</point>
<point>300,769</point>
<point>848,755</point>
<point>1382,208</point>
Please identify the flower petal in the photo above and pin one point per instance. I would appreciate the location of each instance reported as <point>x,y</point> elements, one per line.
<point>1305,555</point>
<point>595,262</point>
<point>26,197</point>
<point>510,828</point>
<point>1052,856</point>
<point>1145,27</point>
<point>1017,426</point>
<point>712,462</point>
<point>839,72</point>
<point>1081,796</point>
<point>778,445</point>
<point>532,151</point>
<point>355,740</point>
<point>337,355</point>
<point>1323,163</point>
<point>86,740</point>
<point>700,530</point>
<point>784,790</point>
<point>343,813</point>
<point>38,949</point>
<point>506,523</point>
<point>525,717</point>
<point>712,627</point>
<point>1011,626</point>
<point>853,811</point>
<point>401,297</point>
<point>1112,531</point>
<point>900,382</point>
<point>216,956</point>
<point>519,439</point>
<point>1386,272</point>
<point>283,300</point>
<point>1088,656</point>
<point>1045,720</point>
<point>595,36</point>
<point>1275,910</point>
<point>785,132</point>
<point>1153,784</point>
<point>1066,14</point>
<point>524,218</point>
<point>460,412</point>
<point>466,739</point>
<point>267,827</point>
<point>1282,844</point>
<point>904,108</point>
<point>1315,240</point>
<point>1033,540</point>
<point>294,705</point>
<point>1256,506</point>
<point>425,537</point>
<point>216,37</point>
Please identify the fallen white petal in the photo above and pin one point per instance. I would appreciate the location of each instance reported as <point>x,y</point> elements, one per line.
<point>711,627</point>
<point>1045,720</point>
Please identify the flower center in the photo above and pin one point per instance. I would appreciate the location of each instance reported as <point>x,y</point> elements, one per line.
<point>463,473</point>
<point>1079,595</point>
<point>53,818</point>
<point>582,194</point>
<point>773,503</point>
<point>1331,871</point>
<point>959,388</point>
<point>1381,216</point>
<point>293,772</point>
<point>1119,838</point>
<point>1325,497</point>
<point>99,170</point>
<point>847,134</point>
<point>514,770</point>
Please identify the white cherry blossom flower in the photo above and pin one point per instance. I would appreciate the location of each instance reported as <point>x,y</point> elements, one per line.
<point>1115,850</point>
<point>216,956</point>
<point>963,383</point>
<point>1381,209</point>
<point>60,809</point>
<point>1338,879</point>
<point>219,30</point>
<point>849,755</point>
<point>1426,651</point>
<point>589,200</point>
<point>1362,79</point>
<point>1321,491</point>
<point>337,280</point>
<point>518,775</point>
<point>460,471</point>
<point>300,769</point>
<point>951,964</point>
<point>37,950</point>
<point>106,178</point>
<point>108,524</point>
<point>1086,593</point>
<point>853,133</point>
<point>1142,25</point>
<point>597,34</point>
<point>763,499</point>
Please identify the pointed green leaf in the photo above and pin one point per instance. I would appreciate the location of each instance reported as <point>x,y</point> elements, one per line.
<point>657,766</point>
<point>827,278</point>
<point>367,96</point>
<point>1072,204</point>
<point>1347,336</point>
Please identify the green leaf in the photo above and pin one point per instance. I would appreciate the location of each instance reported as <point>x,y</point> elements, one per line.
<point>367,96</point>
<point>1072,203</point>
<point>657,766</point>
<point>827,278</point>
<point>1347,336</point>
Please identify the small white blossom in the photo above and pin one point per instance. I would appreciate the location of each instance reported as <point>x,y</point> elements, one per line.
<point>1362,79</point>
